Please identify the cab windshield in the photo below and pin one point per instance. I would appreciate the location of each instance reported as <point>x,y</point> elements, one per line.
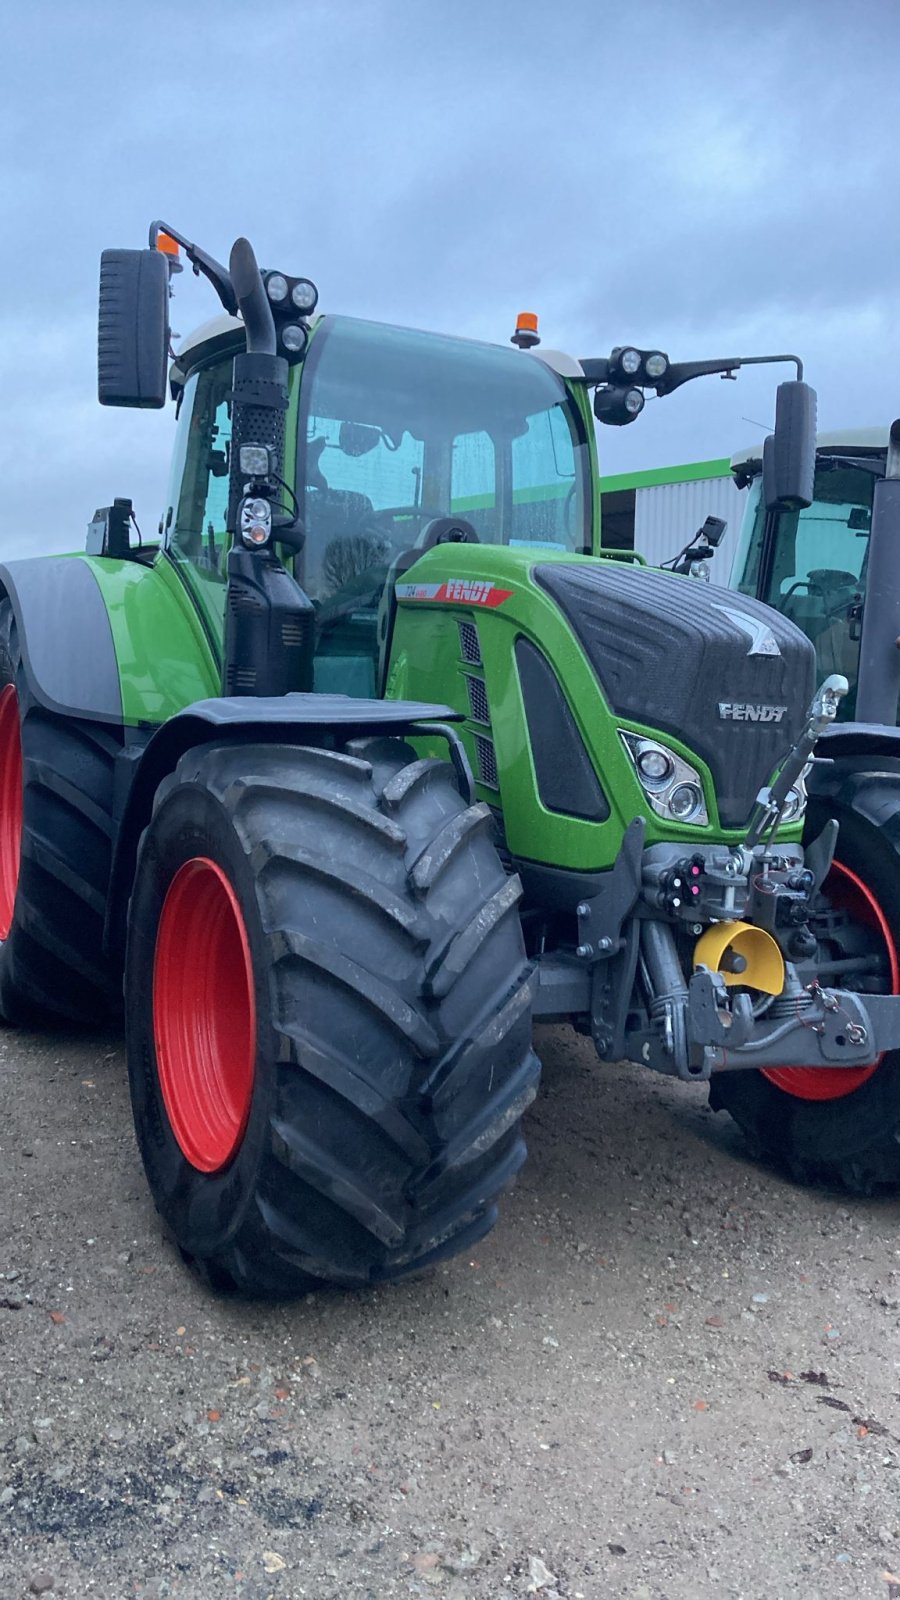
<point>813,566</point>
<point>394,429</point>
<point>397,428</point>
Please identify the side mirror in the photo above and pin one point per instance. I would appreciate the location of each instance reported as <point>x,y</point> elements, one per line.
<point>358,438</point>
<point>713,531</point>
<point>789,454</point>
<point>133,328</point>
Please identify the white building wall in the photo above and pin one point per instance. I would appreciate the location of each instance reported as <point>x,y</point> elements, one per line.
<point>667,515</point>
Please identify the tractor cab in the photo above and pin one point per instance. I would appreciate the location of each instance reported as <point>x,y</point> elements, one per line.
<point>394,440</point>
<point>812,564</point>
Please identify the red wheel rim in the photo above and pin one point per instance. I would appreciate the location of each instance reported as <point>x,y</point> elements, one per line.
<point>204,1014</point>
<point>848,893</point>
<point>10,805</point>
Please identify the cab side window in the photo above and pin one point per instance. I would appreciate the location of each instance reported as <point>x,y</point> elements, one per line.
<point>473,483</point>
<point>547,498</point>
<point>199,503</point>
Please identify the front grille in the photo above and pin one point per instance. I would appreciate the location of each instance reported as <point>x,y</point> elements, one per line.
<point>487,761</point>
<point>479,710</point>
<point>469,644</point>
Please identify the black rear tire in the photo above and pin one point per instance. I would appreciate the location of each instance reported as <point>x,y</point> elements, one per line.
<point>852,1140</point>
<point>392,1012</point>
<point>52,960</point>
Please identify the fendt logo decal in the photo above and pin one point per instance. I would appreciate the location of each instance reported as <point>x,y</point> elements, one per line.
<point>739,711</point>
<point>465,591</point>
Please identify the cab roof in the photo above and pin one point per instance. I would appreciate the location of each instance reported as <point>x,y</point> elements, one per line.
<point>223,331</point>
<point>847,441</point>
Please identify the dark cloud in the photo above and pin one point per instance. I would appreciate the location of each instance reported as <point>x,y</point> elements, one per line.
<point>711,179</point>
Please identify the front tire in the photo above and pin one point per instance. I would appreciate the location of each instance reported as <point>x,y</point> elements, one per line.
<point>824,1125</point>
<point>328,1063</point>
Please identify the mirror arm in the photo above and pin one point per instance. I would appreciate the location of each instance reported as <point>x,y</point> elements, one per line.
<point>683,371</point>
<point>212,269</point>
<point>596,370</point>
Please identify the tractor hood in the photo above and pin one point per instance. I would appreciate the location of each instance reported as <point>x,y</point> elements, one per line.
<point>725,674</point>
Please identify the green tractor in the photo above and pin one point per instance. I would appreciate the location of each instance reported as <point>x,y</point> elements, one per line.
<point>373,759</point>
<point>831,566</point>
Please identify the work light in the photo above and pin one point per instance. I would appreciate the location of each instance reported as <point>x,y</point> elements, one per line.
<point>277,287</point>
<point>294,338</point>
<point>304,296</point>
<point>616,406</point>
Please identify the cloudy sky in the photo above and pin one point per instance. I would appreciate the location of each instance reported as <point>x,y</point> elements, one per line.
<point>708,177</point>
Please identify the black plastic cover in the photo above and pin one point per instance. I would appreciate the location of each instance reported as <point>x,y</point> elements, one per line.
<point>133,328</point>
<point>269,627</point>
<point>566,779</point>
<point>693,661</point>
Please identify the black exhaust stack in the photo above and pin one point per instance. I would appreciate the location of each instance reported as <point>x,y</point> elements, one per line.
<point>269,621</point>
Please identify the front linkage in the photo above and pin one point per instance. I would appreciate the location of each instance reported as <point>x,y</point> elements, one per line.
<point>738,919</point>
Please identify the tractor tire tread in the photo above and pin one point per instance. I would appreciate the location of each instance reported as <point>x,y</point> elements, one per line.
<point>53,960</point>
<point>400,1082</point>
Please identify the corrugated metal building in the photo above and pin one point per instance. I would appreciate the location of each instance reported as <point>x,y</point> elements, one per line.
<point>657,512</point>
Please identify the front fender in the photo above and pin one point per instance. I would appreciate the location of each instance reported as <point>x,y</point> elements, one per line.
<point>857,772</point>
<point>65,636</point>
<point>110,640</point>
<point>291,718</point>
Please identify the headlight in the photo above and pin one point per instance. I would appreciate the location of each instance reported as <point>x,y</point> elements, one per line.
<point>673,787</point>
<point>654,763</point>
<point>630,362</point>
<point>655,364</point>
<point>685,800</point>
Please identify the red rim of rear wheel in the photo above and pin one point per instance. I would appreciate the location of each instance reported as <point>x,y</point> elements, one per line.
<point>848,893</point>
<point>204,1014</point>
<point>10,805</point>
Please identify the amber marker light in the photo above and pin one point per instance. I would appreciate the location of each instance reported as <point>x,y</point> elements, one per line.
<point>526,335</point>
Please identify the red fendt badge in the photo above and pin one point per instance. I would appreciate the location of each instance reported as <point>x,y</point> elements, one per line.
<point>456,591</point>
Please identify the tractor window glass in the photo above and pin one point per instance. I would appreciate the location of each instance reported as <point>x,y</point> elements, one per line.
<point>745,576</point>
<point>198,498</point>
<point>397,429</point>
<point>473,480</point>
<point>547,507</point>
<point>815,570</point>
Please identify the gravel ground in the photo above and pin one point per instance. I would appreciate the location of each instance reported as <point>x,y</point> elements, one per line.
<point>668,1374</point>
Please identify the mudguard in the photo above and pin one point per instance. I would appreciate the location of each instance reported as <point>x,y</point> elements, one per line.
<point>860,773</point>
<point>111,640</point>
<point>65,636</point>
<point>248,717</point>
